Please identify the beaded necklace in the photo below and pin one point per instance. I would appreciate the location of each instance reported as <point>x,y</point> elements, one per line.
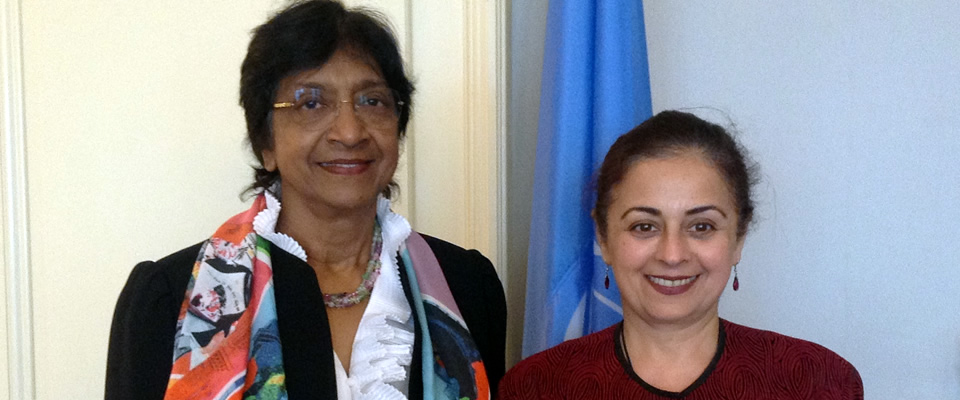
<point>342,300</point>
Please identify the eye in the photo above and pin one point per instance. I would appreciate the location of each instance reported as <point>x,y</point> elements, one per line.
<point>378,98</point>
<point>311,99</point>
<point>702,229</point>
<point>371,101</point>
<point>311,104</point>
<point>643,227</point>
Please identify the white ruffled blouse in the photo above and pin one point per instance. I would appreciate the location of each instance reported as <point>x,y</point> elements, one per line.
<point>383,346</point>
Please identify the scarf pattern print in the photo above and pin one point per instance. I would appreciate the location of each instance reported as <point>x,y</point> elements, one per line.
<point>456,371</point>
<point>227,345</point>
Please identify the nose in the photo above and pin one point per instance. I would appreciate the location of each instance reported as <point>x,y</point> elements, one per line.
<point>672,249</point>
<point>346,128</point>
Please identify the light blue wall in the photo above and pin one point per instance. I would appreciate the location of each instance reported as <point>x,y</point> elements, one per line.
<point>852,110</point>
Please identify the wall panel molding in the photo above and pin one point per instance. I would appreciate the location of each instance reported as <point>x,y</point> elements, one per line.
<point>485,127</point>
<point>16,249</point>
<point>459,125</point>
<point>406,176</point>
<point>502,51</point>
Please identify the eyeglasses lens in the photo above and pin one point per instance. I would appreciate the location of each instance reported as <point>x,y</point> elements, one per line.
<point>375,107</point>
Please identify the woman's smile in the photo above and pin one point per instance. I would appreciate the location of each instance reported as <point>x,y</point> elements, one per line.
<point>671,285</point>
<point>346,166</point>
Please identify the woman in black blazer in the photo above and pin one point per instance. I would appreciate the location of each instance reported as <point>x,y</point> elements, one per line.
<point>332,295</point>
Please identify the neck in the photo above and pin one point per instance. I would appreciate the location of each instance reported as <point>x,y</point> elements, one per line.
<point>661,347</point>
<point>336,241</point>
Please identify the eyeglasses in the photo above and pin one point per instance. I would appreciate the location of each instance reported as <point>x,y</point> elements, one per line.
<point>315,109</point>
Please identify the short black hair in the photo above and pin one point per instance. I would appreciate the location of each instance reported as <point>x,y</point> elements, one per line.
<point>302,36</point>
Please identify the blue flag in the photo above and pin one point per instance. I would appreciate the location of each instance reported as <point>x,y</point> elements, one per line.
<point>596,86</point>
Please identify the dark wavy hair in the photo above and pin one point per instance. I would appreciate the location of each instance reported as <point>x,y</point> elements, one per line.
<point>670,133</point>
<point>304,36</point>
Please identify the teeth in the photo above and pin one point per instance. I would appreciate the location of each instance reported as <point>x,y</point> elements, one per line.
<point>341,165</point>
<point>672,283</point>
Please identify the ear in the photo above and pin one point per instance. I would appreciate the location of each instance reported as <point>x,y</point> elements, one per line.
<point>269,160</point>
<point>602,243</point>
<point>738,250</point>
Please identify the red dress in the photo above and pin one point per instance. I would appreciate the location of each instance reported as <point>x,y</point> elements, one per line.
<point>749,364</point>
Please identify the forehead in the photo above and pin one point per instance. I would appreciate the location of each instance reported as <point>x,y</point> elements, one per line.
<point>347,70</point>
<point>676,182</point>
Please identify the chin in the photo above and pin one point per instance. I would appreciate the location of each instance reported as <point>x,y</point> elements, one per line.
<point>361,198</point>
<point>672,315</point>
<point>354,203</point>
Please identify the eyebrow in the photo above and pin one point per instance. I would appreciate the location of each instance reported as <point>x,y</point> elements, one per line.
<point>364,84</point>
<point>656,212</point>
<point>648,210</point>
<point>698,210</point>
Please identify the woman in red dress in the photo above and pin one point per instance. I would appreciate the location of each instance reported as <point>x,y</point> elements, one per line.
<point>673,209</point>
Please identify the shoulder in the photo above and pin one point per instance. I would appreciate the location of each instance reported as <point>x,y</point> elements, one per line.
<point>155,286</point>
<point>470,275</point>
<point>144,321</point>
<point>565,360</point>
<point>153,294</point>
<point>457,260</point>
<point>805,363</point>
<point>741,337</point>
<point>167,275</point>
<point>595,346</point>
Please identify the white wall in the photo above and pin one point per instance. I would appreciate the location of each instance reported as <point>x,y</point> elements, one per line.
<point>851,109</point>
<point>133,151</point>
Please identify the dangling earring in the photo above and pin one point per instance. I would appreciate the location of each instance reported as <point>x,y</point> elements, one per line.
<point>736,279</point>
<point>606,281</point>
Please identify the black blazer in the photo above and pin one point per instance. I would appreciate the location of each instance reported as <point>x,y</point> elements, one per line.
<point>144,323</point>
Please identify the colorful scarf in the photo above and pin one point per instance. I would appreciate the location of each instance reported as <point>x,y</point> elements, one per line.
<point>227,346</point>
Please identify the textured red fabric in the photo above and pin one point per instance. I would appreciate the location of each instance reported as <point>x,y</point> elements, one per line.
<point>754,364</point>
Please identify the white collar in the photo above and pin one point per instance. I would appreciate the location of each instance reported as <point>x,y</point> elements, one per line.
<point>394,228</point>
